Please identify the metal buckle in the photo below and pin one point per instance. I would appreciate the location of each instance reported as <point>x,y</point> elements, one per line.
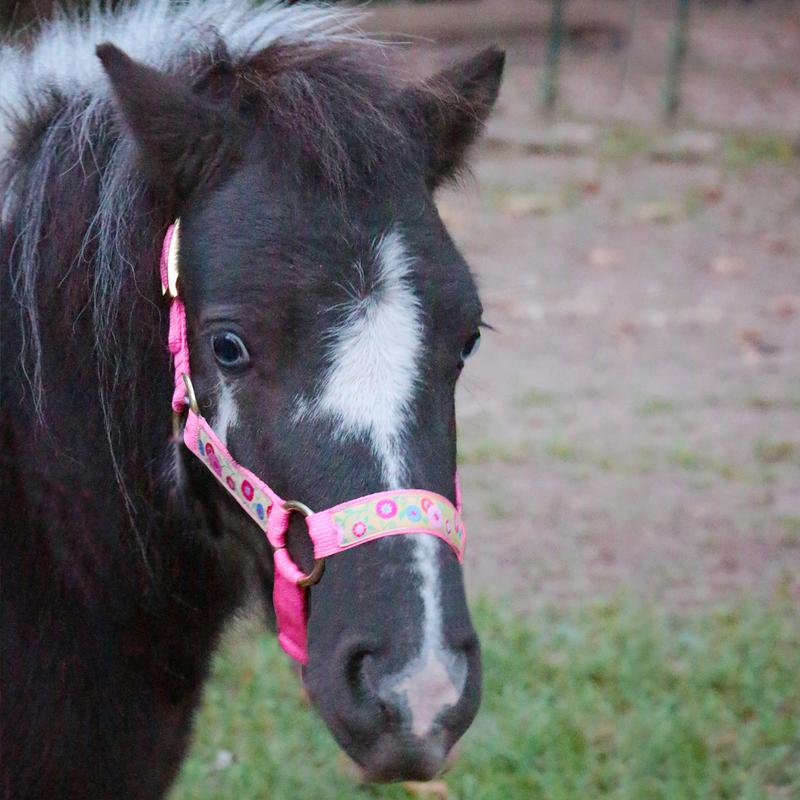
<point>319,564</point>
<point>190,395</point>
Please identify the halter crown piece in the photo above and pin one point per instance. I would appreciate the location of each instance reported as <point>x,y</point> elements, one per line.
<point>332,530</point>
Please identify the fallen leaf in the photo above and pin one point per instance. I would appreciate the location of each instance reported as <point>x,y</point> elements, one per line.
<point>785,305</point>
<point>626,334</point>
<point>752,345</point>
<point>590,185</point>
<point>428,789</point>
<point>606,257</point>
<point>728,266</point>
<point>530,203</point>
<point>773,243</point>
<point>223,760</point>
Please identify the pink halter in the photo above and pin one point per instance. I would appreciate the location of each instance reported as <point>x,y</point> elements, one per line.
<point>332,530</point>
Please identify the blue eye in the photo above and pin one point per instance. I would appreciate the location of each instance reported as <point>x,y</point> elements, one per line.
<point>229,350</point>
<point>471,347</point>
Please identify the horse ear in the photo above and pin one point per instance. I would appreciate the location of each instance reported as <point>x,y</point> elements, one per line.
<point>183,138</point>
<point>452,108</point>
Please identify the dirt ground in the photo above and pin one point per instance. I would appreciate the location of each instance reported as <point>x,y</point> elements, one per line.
<point>633,424</point>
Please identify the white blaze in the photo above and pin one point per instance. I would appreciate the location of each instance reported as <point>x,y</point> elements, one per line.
<point>374,363</point>
<point>433,682</point>
<point>368,391</point>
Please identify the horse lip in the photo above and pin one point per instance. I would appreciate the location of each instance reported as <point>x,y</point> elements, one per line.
<point>400,759</point>
<point>360,775</point>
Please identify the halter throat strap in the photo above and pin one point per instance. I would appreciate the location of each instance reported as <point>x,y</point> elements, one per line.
<point>332,530</point>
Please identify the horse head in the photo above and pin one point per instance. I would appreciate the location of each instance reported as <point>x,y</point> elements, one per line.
<point>328,316</point>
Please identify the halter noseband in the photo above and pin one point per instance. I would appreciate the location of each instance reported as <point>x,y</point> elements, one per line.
<point>332,530</point>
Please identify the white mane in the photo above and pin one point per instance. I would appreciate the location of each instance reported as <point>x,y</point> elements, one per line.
<point>157,32</point>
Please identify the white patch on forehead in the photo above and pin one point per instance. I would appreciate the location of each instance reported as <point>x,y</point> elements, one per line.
<point>375,357</point>
<point>227,413</point>
<point>435,679</point>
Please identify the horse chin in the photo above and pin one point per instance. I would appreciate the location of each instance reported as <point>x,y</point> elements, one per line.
<point>391,759</point>
<point>393,753</point>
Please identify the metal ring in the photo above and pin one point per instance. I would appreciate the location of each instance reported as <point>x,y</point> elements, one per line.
<point>296,505</point>
<point>319,563</point>
<point>191,395</point>
<point>315,576</point>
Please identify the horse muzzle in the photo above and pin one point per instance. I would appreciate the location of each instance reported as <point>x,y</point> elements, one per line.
<point>403,733</point>
<point>396,702</point>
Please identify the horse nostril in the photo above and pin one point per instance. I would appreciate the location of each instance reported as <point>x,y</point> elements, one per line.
<point>358,698</point>
<point>354,674</point>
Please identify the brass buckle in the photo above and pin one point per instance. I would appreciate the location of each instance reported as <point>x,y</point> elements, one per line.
<point>178,421</point>
<point>319,564</point>
<point>190,394</point>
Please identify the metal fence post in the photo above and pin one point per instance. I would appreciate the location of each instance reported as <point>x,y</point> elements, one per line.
<point>556,37</point>
<point>672,90</point>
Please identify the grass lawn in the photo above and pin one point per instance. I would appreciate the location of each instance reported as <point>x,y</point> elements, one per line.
<point>617,700</point>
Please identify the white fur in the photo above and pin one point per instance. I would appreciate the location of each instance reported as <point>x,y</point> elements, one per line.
<point>227,415</point>
<point>435,679</point>
<point>425,553</point>
<point>157,32</point>
<point>374,369</point>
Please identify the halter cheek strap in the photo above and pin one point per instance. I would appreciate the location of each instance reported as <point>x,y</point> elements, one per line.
<point>333,530</point>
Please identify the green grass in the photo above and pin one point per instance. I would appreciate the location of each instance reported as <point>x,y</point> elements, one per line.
<point>791,531</point>
<point>774,452</point>
<point>557,446</point>
<point>617,700</point>
<point>658,405</point>
<point>623,142</point>
<point>533,398</point>
<point>747,148</point>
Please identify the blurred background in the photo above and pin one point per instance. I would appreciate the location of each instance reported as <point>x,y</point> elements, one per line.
<point>629,434</point>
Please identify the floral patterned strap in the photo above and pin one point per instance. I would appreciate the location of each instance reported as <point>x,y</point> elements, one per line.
<point>252,494</point>
<point>332,530</point>
<point>390,513</point>
<point>337,528</point>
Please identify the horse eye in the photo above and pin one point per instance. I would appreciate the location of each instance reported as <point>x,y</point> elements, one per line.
<point>229,350</point>
<point>471,347</point>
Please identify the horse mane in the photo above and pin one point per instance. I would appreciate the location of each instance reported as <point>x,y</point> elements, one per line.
<point>71,173</point>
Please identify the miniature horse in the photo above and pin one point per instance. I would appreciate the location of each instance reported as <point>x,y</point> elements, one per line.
<point>328,315</point>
